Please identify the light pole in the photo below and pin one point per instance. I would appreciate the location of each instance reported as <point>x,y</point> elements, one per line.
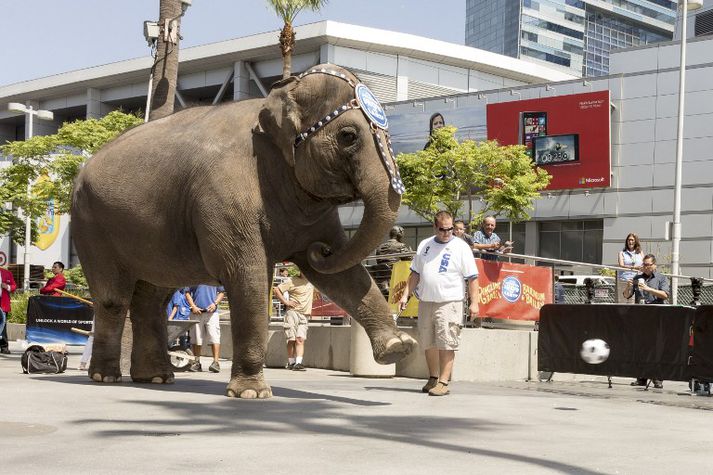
<point>44,115</point>
<point>676,232</point>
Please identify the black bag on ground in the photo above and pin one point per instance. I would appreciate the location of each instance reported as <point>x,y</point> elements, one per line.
<point>36,360</point>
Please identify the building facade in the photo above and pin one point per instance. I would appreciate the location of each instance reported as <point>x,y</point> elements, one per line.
<point>574,35</point>
<point>395,66</point>
<point>590,225</point>
<point>416,77</point>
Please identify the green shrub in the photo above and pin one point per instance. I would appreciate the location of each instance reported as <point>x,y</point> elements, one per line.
<point>18,306</point>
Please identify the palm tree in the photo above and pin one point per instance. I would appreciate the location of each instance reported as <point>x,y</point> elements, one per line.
<point>164,72</point>
<point>288,10</point>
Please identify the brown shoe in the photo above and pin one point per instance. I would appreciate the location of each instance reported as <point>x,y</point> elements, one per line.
<point>432,381</point>
<point>441,389</point>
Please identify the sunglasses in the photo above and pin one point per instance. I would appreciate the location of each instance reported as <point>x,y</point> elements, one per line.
<point>445,230</point>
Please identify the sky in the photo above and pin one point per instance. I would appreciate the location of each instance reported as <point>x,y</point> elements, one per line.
<point>40,38</point>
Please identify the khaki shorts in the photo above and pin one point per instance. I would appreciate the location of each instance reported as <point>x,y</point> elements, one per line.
<point>208,328</point>
<point>439,324</point>
<point>295,325</point>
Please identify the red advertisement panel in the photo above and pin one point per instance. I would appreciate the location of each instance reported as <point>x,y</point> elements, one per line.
<point>322,306</point>
<point>569,136</point>
<point>513,291</point>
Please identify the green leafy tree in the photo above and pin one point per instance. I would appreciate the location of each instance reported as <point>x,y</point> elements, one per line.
<point>50,163</point>
<point>440,176</point>
<point>287,10</point>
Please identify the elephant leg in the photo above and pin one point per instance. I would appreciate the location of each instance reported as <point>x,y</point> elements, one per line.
<point>248,316</point>
<point>356,292</point>
<point>112,296</point>
<point>149,357</point>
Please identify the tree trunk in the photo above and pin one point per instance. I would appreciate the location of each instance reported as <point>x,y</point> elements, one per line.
<point>165,68</point>
<point>287,44</point>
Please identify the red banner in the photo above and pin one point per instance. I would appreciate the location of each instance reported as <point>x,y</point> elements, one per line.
<point>513,291</point>
<point>566,135</point>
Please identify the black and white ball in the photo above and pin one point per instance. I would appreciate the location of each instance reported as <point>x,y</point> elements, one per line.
<point>594,351</point>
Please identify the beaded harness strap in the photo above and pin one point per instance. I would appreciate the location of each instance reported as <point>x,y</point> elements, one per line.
<point>364,100</point>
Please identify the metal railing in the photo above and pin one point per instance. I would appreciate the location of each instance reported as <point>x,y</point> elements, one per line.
<point>697,289</point>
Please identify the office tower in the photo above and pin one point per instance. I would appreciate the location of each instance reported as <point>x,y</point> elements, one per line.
<point>572,35</point>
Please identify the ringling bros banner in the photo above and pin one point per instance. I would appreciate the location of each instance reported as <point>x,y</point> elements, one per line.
<point>507,291</point>
<point>513,291</point>
<point>569,136</point>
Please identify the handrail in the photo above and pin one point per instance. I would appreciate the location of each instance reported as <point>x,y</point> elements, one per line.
<point>543,259</point>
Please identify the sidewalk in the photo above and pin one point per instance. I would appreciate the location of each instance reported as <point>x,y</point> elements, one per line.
<point>328,422</point>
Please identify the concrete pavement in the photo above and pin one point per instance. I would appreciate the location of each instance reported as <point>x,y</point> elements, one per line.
<point>323,421</point>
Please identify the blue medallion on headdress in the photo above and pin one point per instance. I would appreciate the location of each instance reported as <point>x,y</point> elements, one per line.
<point>371,106</point>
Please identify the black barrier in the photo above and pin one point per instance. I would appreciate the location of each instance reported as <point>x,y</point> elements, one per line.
<point>647,341</point>
<point>51,319</point>
<point>701,366</point>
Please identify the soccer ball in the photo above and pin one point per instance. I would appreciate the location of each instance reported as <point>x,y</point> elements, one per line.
<point>595,351</point>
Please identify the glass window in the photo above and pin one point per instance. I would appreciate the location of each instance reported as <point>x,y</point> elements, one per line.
<point>579,241</point>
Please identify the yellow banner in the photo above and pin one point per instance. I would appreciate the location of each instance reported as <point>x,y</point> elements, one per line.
<point>399,275</point>
<point>47,227</point>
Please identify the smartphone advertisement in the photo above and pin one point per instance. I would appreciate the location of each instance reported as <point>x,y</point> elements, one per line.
<point>533,125</point>
<point>569,136</point>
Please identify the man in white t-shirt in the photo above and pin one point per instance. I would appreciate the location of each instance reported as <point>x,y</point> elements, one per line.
<point>442,265</point>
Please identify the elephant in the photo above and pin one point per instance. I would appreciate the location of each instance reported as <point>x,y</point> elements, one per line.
<point>218,195</point>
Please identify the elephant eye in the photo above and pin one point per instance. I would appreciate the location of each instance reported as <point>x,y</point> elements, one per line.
<point>347,137</point>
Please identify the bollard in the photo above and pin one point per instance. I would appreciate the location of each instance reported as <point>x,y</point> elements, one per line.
<point>361,358</point>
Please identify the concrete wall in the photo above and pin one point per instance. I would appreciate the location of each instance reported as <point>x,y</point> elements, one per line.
<point>485,354</point>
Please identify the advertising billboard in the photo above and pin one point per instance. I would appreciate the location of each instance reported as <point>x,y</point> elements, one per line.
<point>569,136</point>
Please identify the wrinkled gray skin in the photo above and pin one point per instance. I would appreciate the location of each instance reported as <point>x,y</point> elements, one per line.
<point>219,194</point>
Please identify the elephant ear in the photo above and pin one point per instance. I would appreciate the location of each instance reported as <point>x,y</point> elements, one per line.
<point>280,117</point>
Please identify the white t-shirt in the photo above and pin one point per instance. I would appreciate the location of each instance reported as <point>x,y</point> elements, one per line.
<point>442,268</point>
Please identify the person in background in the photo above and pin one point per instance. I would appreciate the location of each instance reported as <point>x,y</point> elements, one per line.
<point>649,287</point>
<point>299,308</point>
<point>558,290</point>
<point>178,307</point>
<point>7,286</point>
<point>488,243</point>
<point>87,353</point>
<point>631,258</point>
<point>394,245</point>
<point>442,265</point>
<point>459,231</point>
<point>203,301</point>
<point>58,282</point>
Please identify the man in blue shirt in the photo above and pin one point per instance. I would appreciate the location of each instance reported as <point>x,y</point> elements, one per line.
<point>488,243</point>
<point>203,301</point>
<point>178,308</point>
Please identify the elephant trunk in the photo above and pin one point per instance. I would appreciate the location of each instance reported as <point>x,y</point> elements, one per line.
<point>380,209</point>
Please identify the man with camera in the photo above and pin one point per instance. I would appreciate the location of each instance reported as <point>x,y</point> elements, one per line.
<point>649,288</point>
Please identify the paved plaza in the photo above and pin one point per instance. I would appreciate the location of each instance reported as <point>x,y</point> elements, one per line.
<point>324,421</point>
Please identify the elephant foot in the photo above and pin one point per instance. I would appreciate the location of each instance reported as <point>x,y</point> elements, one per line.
<point>104,376</point>
<point>396,348</point>
<point>252,387</point>
<point>163,378</point>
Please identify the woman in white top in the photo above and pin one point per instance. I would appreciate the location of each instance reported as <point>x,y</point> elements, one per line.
<point>631,258</point>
